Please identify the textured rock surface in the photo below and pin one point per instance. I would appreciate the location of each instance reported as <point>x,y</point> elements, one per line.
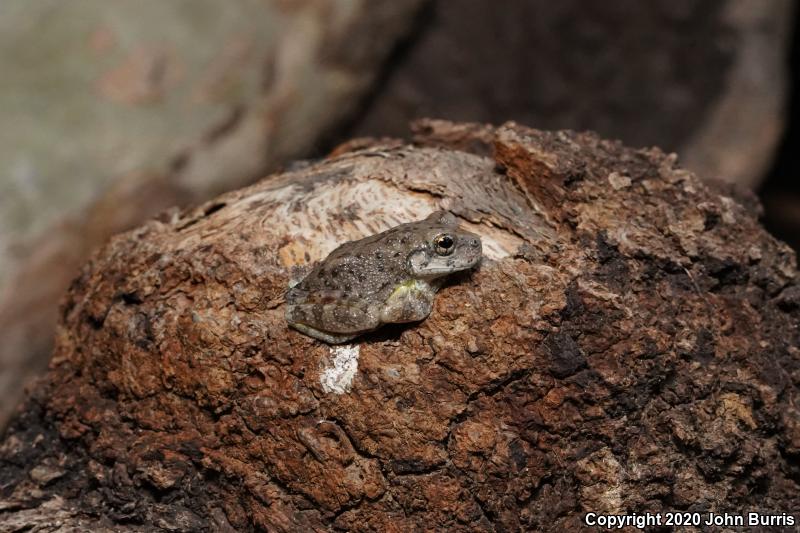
<point>115,111</point>
<point>628,344</point>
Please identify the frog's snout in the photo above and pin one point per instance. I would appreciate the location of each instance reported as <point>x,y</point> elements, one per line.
<point>474,249</point>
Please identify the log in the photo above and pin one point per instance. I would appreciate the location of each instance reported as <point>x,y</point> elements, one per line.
<point>628,344</point>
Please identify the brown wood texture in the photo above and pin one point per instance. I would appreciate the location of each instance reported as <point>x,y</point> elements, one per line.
<point>629,344</point>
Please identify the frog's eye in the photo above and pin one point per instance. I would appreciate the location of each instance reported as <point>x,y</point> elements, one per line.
<point>444,244</point>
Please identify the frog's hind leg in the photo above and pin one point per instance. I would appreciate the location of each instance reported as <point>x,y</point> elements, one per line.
<point>332,323</point>
<point>330,338</point>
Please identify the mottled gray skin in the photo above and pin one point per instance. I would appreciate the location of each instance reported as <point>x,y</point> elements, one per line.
<point>391,277</point>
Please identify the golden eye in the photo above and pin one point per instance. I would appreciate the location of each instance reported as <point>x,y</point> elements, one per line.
<point>444,244</point>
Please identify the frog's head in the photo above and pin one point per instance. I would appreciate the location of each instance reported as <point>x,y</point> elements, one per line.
<point>443,248</point>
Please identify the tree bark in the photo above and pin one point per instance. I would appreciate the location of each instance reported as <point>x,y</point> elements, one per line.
<point>629,344</point>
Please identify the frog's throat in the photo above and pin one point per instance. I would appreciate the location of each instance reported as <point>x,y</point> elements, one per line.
<point>413,285</point>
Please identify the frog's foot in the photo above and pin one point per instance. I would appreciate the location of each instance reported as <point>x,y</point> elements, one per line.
<point>410,302</point>
<point>330,338</point>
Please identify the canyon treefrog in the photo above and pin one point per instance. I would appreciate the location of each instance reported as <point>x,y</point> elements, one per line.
<point>390,277</point>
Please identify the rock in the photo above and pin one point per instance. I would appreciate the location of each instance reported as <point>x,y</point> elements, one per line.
<point>706,79</point>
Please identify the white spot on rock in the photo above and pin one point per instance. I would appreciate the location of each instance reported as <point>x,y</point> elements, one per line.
<point>338,376</point>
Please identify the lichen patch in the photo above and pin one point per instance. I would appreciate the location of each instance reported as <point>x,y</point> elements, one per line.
<point>338,376</point>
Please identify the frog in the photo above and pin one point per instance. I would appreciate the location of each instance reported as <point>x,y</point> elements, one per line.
<point>391,277</point>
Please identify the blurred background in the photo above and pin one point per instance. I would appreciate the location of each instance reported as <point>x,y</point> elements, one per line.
<point>111,112</point>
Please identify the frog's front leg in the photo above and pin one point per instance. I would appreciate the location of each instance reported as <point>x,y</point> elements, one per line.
<point>332,323</point>
<point>410,301</point>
